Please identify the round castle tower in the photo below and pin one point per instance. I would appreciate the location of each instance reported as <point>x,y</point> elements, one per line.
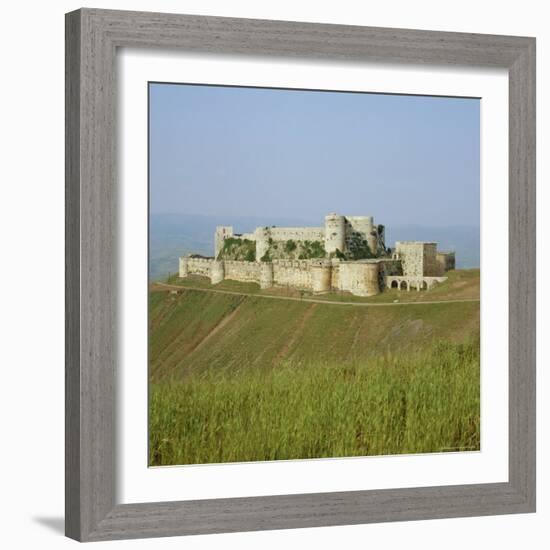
<point>321,276</point>
<point>261,235</point>
<point>335,233</point>
<point>184,266</point>
<point>365,226</point>
<point>217,272</point>
<point>266,274</point>
<point>360,278</point>
<point>371,282</point>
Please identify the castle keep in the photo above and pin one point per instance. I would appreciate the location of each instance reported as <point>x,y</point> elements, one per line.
<point>347,254</point>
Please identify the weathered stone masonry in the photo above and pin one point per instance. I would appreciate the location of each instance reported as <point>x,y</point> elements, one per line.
<point>410,265</point>
<point>337,234</point>
<point>360,278</point>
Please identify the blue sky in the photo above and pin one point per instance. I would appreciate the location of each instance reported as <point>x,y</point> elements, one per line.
<point>302,154</point>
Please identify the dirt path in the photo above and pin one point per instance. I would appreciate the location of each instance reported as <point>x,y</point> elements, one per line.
<point>166,286</point>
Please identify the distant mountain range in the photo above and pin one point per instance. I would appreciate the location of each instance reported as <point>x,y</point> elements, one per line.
<point>174,235</point>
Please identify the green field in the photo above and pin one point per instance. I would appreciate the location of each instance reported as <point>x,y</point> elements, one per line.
<point>240,377</point>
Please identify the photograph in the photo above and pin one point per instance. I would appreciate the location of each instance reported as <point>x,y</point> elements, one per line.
<point>314,274</point>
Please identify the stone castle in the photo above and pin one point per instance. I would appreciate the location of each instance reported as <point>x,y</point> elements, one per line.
<point>347,254</point>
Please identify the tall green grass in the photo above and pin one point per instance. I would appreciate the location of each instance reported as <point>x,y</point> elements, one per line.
<point>420,402</point>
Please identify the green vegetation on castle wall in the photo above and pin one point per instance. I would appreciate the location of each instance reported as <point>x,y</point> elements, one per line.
<point>312,249</point>
<point>359,249</point>
<point>290,245</point>
<point>235,248</point>
<point>294,250</point>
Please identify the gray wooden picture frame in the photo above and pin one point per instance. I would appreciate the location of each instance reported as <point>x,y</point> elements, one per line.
<point>92,39</point>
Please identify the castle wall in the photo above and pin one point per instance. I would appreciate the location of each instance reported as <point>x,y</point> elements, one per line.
<point>248,236</point>
<point>411,254</point>
<point>335,275</point>
<point>282,233</point>
<point>388,268</point>
<point>242,271</point>
<point>391,267</point>
<point>321,276</point>
<point>335,233</point>
<point>292,273</point>
<point>297,233</point>
<point>445,261</point>
<point>199,266</point>
<point>217,272</point>
<point>183,266</point>
<point>421,259</point>
<point>362,278</point>
<point>431,265</point>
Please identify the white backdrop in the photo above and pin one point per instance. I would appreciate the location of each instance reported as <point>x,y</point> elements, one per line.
<point>31,402</point>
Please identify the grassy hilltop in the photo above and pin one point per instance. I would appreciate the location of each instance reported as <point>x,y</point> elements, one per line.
<point>238,377</point>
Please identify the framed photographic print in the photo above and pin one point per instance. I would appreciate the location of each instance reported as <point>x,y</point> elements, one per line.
<point>300,275</point>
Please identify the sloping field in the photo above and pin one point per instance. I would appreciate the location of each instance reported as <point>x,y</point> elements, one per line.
<point>243,378</point>
<point>194,330</point>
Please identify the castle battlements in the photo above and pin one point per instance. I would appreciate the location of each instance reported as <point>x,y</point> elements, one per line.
<point>348,253</point>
